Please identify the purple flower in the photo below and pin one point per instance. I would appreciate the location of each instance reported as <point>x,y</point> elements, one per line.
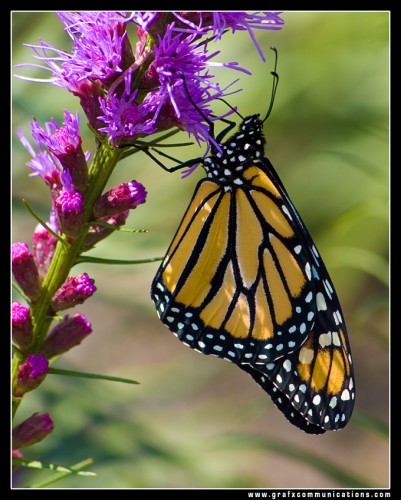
<point>32,430</point>
<point>98,232</point>
<point>67,334</point>
<point>44,244</point>
<point>200,23</point>
<point>149,21</point>
<point>123,197</point>
<point>25,270</point>
<point>69,208</point>
<point>101,60</point>
<point>30,374</point>
<point>178,58</point>
<point>65,144</point>
<point>74,291</point>
<point>43,164</point>
<point>219,22</point>
<point>21,325</point>
<point>101,48</point>
<point>124,118</point>
<point>188,117</point>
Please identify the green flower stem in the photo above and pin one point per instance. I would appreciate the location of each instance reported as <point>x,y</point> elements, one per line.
<point>66,254</point>
<point>17,360</point>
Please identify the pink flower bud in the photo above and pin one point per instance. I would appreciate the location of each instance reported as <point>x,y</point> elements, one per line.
<point>70,210</point>
<point>123,197</point>
<point>31,374</point>
<point>74,291</point>
<point>67,334</point>
<point>25,270</point>
<point>31,431</point>
<point>44,244</point>
<point>21,325</point>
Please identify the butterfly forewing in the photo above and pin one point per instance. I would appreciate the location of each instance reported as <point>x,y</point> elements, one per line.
<point>232,283</point>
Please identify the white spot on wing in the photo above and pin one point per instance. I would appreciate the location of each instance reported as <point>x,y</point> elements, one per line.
<point>333,402</point>
<point>316,400</point>
<point>308,271</point>
<point>336,339</point>
<point>285,210</point>
<point>325,339</point>
<point>321,302</point>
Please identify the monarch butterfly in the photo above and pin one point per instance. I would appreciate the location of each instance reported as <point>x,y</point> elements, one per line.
<point>242,280</point>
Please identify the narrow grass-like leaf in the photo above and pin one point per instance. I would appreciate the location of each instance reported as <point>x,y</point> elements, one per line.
<point>18,289</point>
<point>75,469</point>
<point>35,464</point>
<point>97,376</point>
<point>43,223</point>
<point>118,228</point>
<point>99,260</point>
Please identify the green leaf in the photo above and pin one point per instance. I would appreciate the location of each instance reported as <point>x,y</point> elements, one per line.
<point>97,376</point>
<point>99,260</point>
<point>118,228</point>
<point>64,471</point>
<point>18,289</point>
<point>43,223</point>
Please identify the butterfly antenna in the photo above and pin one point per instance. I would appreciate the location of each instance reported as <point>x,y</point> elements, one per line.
<point>234,109</point>
<point>274,86</point>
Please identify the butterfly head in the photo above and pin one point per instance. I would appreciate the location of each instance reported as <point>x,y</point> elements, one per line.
<point>240,151</point>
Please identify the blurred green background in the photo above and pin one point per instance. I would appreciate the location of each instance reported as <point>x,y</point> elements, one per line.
<point>196,421</point>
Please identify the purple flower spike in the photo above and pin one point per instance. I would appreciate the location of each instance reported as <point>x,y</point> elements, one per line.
<point>32,430</point>
<point>65,144</point>
<point>25,270</point>
<point>30,374</point>
<point>123,197</point>
<point>74,291</point>
<point>21,325</point>
<point>67,334</point>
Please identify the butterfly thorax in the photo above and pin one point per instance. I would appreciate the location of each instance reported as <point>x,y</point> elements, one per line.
<point>242,150</point>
